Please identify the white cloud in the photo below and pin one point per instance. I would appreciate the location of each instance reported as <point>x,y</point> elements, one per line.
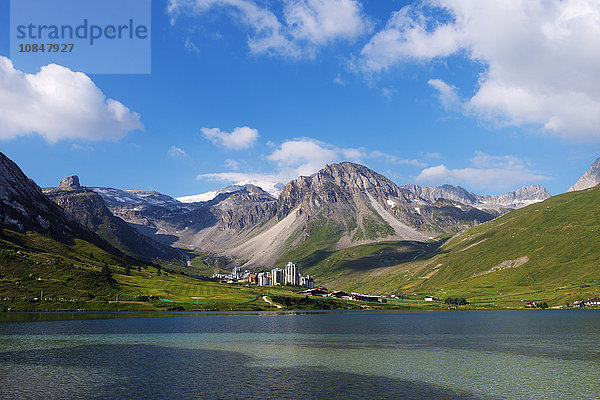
<point>396,160</point>
<point>191,46</point>
<point>271,183</point>
<point>76,146</point>
<point>323,21</point>
<point>446,93</point>
<point>175,151</point>
<point>304,26</point>
<point>302,156</point>
<point>496,173</point>
<point>240,138</point>
<point>407,37</point>
<point>540,58</point>
<point>59,104</point>
<point>431,155</point>
<point>232,164</point>
<point>292,158</point>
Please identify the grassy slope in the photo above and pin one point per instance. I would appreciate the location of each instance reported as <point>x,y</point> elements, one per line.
<point>559,237</point>
<point>70,277</point>
<point>31,263</point>
<point>557,242</point>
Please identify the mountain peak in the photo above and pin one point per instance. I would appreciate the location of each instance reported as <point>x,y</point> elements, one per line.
<point>69,183</point>
<point>590,179</point>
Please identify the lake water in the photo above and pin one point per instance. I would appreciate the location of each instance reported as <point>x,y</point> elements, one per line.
<point>446,355</point>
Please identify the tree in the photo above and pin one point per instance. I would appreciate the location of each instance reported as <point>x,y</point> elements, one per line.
<point>127,269</point>
<point>106,273</point>
<point>459,301</point>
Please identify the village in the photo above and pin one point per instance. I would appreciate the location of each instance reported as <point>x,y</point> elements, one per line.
<point>593,302</point>
<point>289,275</point>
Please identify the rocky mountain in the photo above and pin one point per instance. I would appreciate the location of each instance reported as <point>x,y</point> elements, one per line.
<point>590,179</point>
<point>341,205</point>
<point>24,207</point>
<point>448,192</point>
<point>89,209</point>
<point>511,200</point>
<point>116,197</point>
<point>519,198</point>
<point>347,204</point>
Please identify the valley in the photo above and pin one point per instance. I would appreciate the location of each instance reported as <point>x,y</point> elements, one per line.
<point>347,226</point>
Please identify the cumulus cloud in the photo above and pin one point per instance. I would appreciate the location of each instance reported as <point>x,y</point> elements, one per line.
<point>271,183</point>
<point>487,172</point>
<point>175,151</point>
<point>59,104</point>
<point>540,58</point>
<point>291,159</point>
<point>302,156</point>
<point>240,138</point>
<point>303,26</point>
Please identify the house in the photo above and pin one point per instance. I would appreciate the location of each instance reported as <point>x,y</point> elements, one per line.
<point>365,297</point>
<point>314,292</point>
<point>532,304</point>
<point>578,303</point>
<point>430,298</point>
<point>338,294</point>
<point>593,302</point>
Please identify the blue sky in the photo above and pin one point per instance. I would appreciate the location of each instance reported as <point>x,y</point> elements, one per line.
<point>487,96</point>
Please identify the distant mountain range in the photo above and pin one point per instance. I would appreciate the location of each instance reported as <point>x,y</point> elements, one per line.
<point>342,207</point>
<point>355,204</point>
<point>512,200</point>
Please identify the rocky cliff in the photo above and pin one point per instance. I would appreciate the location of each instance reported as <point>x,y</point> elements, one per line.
<point>24,207</point>
<point>590,179</point>
<point>89,209</point>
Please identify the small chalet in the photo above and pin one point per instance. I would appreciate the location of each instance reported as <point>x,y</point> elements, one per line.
<point>314,292</point>
<point>338,294</point>
<point>593,302</point>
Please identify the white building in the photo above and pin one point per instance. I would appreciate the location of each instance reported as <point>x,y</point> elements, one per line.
<point>308,282</point>
<point>264,278</point>
<point>236,272</point>
<point>277,277</point>
<point>291,274</point>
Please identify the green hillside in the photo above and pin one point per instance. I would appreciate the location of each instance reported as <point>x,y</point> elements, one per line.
<point>38,273</point>
<point>548,251</point>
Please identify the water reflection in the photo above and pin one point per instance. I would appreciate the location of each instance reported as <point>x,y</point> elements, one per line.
<point>143,371</point>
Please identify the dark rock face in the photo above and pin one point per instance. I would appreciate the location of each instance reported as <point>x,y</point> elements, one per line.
<point>590,179</point>
<point>89,209</point>
<point>69,183</point>
<point>24,207</point>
